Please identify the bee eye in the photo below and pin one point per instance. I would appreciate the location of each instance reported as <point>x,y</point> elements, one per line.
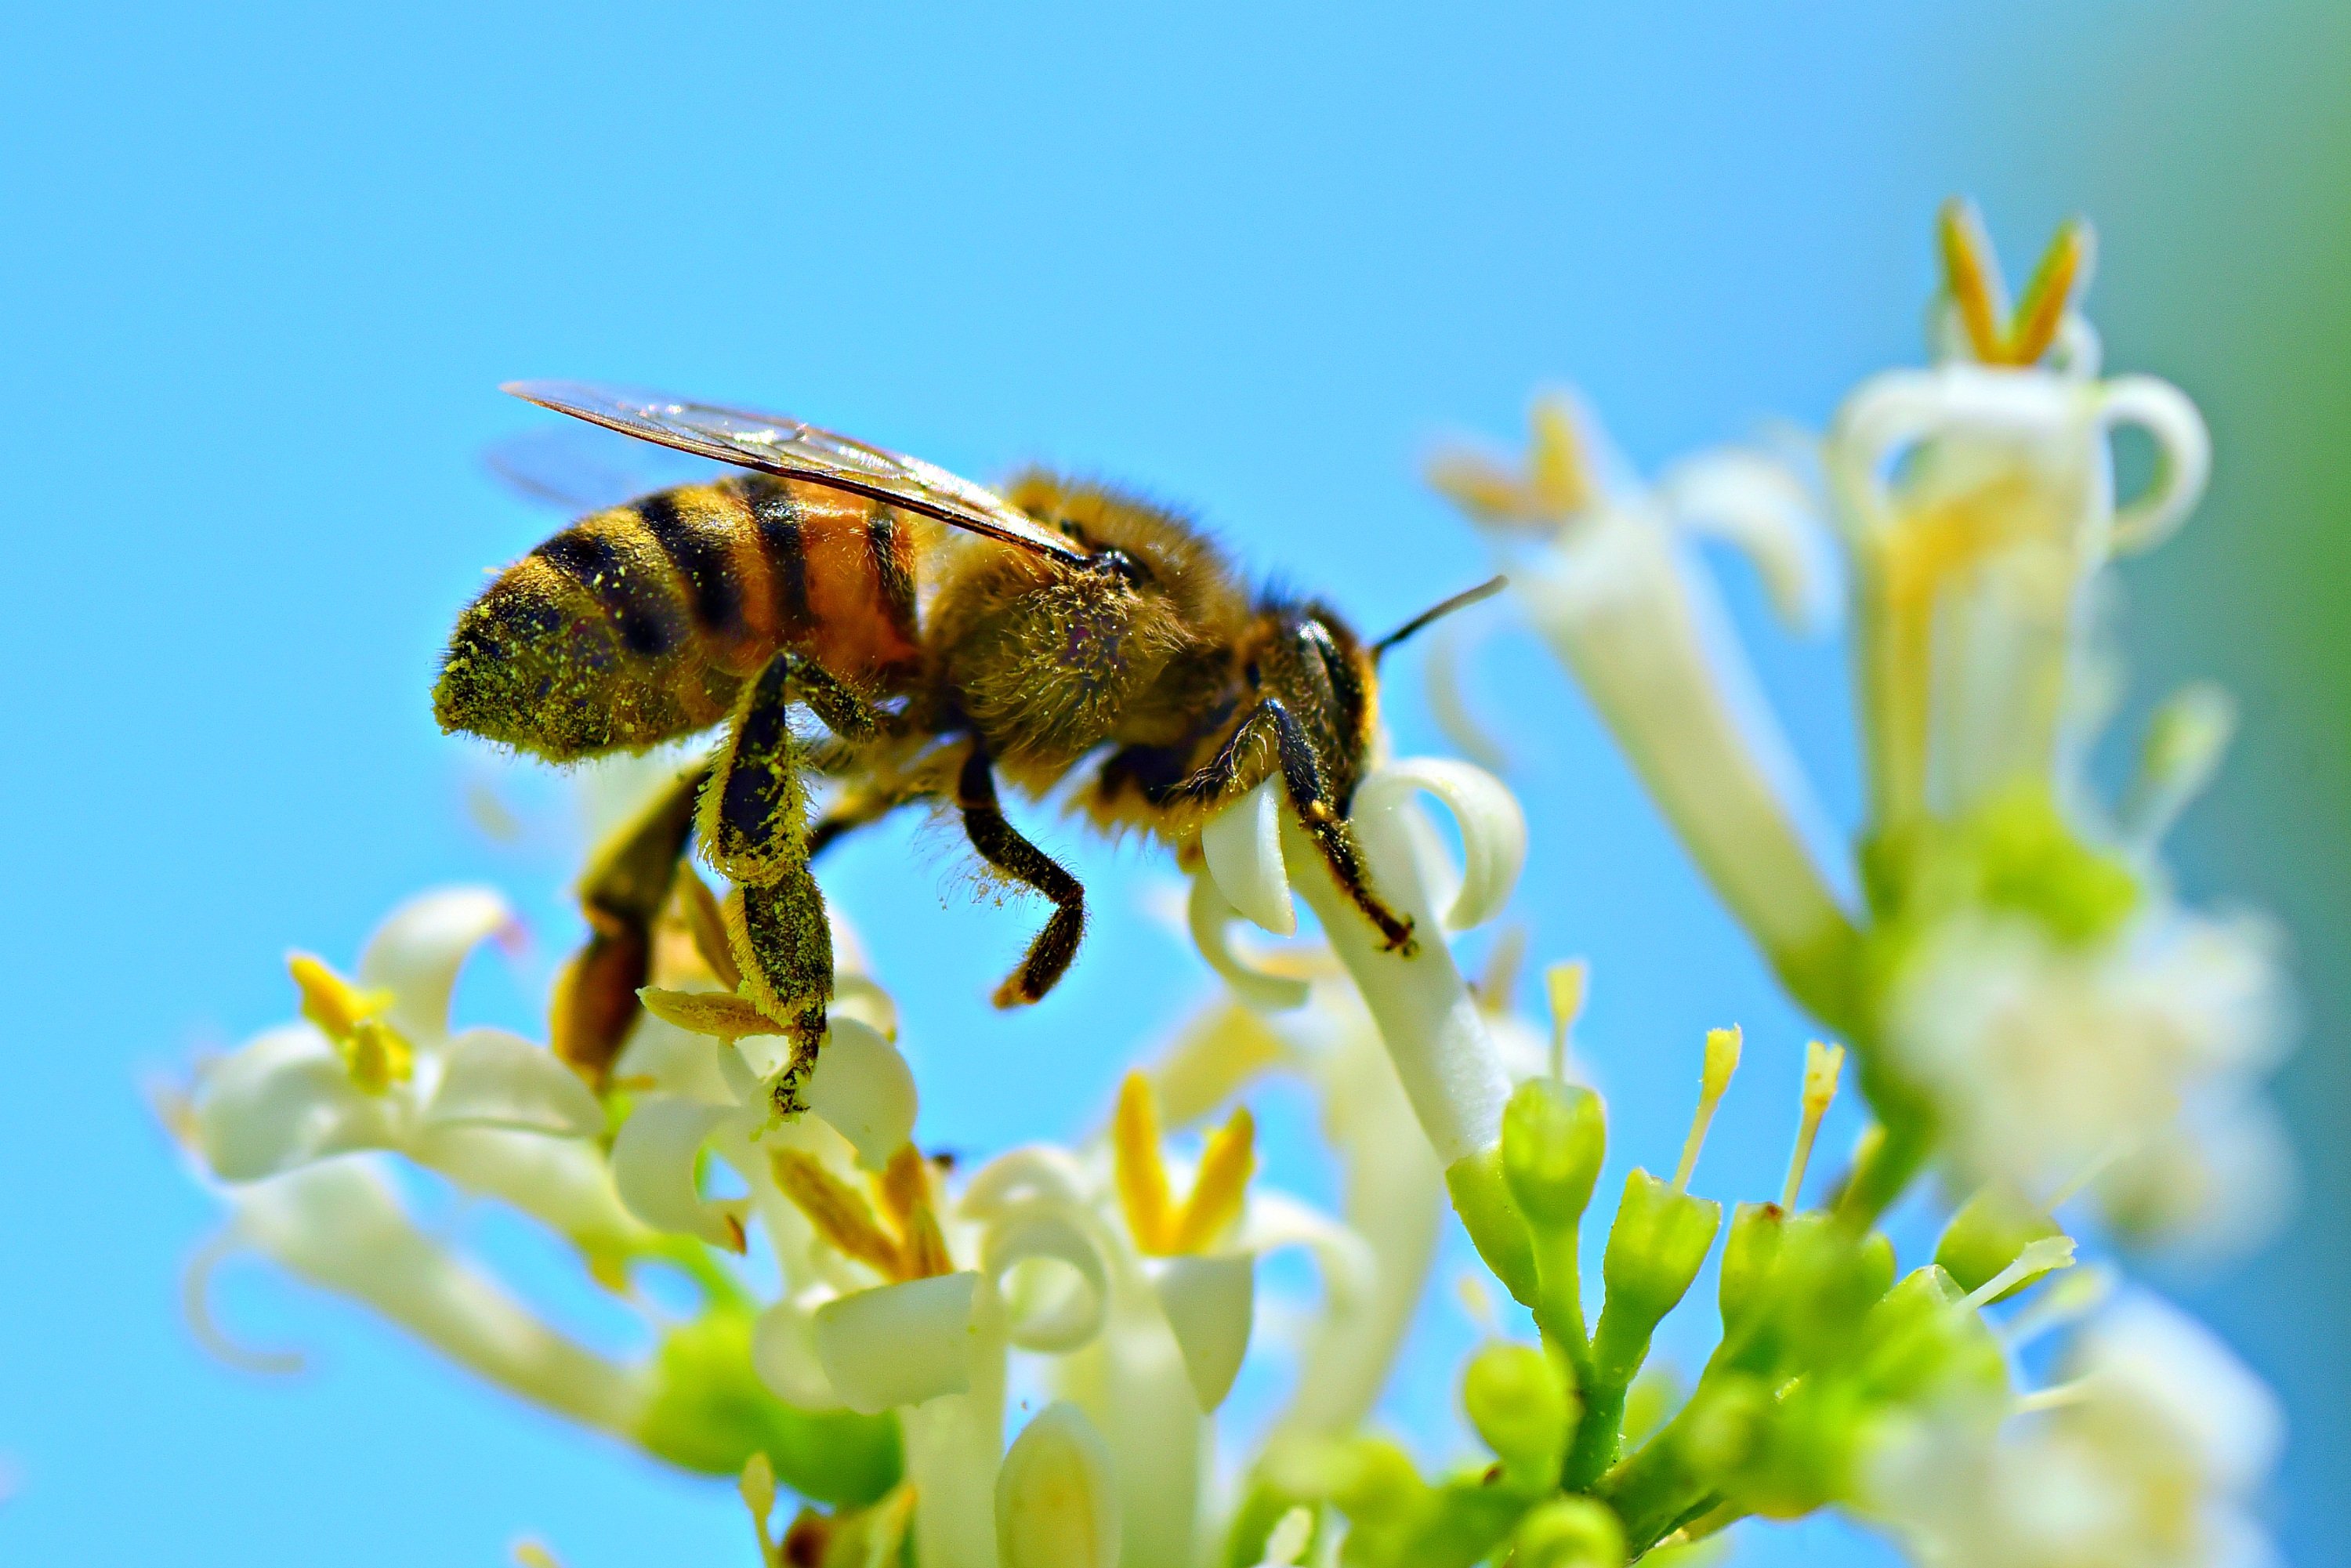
<point>1117,563</point>
<point>1251,673</point>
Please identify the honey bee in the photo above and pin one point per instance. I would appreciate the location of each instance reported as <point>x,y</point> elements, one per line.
<point>945,636</point>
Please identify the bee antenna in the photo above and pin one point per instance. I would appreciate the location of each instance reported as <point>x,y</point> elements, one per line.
<point>1462,600</point>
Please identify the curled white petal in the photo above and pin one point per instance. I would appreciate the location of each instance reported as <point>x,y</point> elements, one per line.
<point>282,1100</point>
<point>1210,1305</point>
<point>1274,1220</point>
<point>1242,844</point>
<point>1056,1503</point>
<point>1493,827</point>
<point>566,1184</point>
<point>1036,1173</point>
<point>2183,458</point>
<point>784,1353</point>
<point>500,1080</point>
<point>416,952</point>
<point>654,1159</point>
<point>1211,919</point>
<point>900,1343</point>
<point>1053,1312</point>
<point>864,1088</point>
<point>1755,503</point>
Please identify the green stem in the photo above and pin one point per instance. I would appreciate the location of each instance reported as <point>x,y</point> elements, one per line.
<point>1559,1300</point>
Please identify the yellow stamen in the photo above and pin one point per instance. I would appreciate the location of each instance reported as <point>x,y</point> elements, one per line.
<point>373,1052</point>
<point>1821,1065</point>
<point>1722,1047</point>
<point>2064,269</point>
<point>1137,1167</point>
<point>1556,479</point>
<point>906,1193</point>
<point>758,1485</point>
<point>531,1554</point>
<point>1226,1166</point>
<point>709,927</point>
<point>721,1013</point>
<point>1482,488</point>
<point>1972,275</point>
<point>839,1213</point>
<point>1564,984</point>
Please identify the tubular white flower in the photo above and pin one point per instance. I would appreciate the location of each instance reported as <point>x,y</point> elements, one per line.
<point>864,1088</point>
<point>2149,1458</point>
<point>1977,504</point>
<point>1211,919</point>
<point>342,1226</point>
<point>1056,1502</point>
<point>495,1079</point>
<point>417,951</point>
<point>900,1343</point>
<point>1208,1302</point>
<point>2046,1061</point>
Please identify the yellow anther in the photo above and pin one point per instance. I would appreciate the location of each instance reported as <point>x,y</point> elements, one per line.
<point>1822,1063</point>
<point>906,1192</point>
<point>1972,277</point>
<point>1557,481</point>
<point>528,1554</point>
<point>1162,1228</point>
<point>720,1013</point>
<point>373,1052</point>
<point>1722,1046</point>
<point>1565,984</point>
<point>840,1215</point>
<point>1138,1166</point>
<point>709,927</point>
<point>1221,1186</point>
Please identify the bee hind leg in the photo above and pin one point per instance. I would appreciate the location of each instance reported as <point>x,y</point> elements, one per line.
<point>1001,846</point>
<point>753,820</point>
<point>622,894</point>
<point>1308,789</point>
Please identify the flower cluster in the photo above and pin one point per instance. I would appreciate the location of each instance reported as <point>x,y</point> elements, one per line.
<point>2030,1013</point>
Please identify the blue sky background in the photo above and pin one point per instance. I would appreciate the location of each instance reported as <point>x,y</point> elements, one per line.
<point>264,266</point>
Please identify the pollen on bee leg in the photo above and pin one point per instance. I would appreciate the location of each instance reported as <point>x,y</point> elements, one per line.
<point>1722,1047</point>
<point>1822,1063</point>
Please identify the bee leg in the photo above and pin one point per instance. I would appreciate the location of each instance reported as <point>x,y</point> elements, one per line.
<point>1309,794</point>
<point>1001,846</point>
<point>626,884</point>
<point>753,820</point>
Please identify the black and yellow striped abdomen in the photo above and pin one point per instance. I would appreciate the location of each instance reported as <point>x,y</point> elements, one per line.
<point>639,625</point>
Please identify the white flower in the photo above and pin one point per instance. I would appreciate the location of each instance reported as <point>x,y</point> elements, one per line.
<point>374,1065</point>
<point>2045,1061</point>
<point>1609,577</point>
<point>1443,1052</point>
<point>2149,1458</point>
<point>1978,507</point>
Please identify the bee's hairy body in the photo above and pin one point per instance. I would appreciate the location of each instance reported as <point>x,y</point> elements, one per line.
<point>1061,634</point>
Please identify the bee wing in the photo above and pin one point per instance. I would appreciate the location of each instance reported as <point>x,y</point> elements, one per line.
<point>792,449</point>
<point>582,468</point>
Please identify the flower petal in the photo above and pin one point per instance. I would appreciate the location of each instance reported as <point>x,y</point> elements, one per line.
<point>1056,1503</point>
<point>1211,919</point>
<point>784,1353</point>
<point>653,1160</point>
<point>1040,1316</point>
<point>282,1100</point>
<point>899,1344</point>
<point>864,1088</point>
<point>1242,844</point>
<point>1755,503</point>
<point>1210,1302</point>
<point>416,952</point>
<point>495,1079</point>
<point>1493,828</point>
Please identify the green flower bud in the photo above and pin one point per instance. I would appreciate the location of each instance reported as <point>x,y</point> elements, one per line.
<point>1749,1251</point>
<point>1988,1234</point>
<point>710,1412</point>
<point>1569,1533</point>
<point>1656,1248</point>
<point>1553,1137</point>
<point>1924,1339</point>
<point>1522,1407</point>
<point>1482,1196</point>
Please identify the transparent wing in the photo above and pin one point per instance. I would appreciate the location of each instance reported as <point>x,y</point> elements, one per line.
<point>793,450</point>
<point>582,468</point>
